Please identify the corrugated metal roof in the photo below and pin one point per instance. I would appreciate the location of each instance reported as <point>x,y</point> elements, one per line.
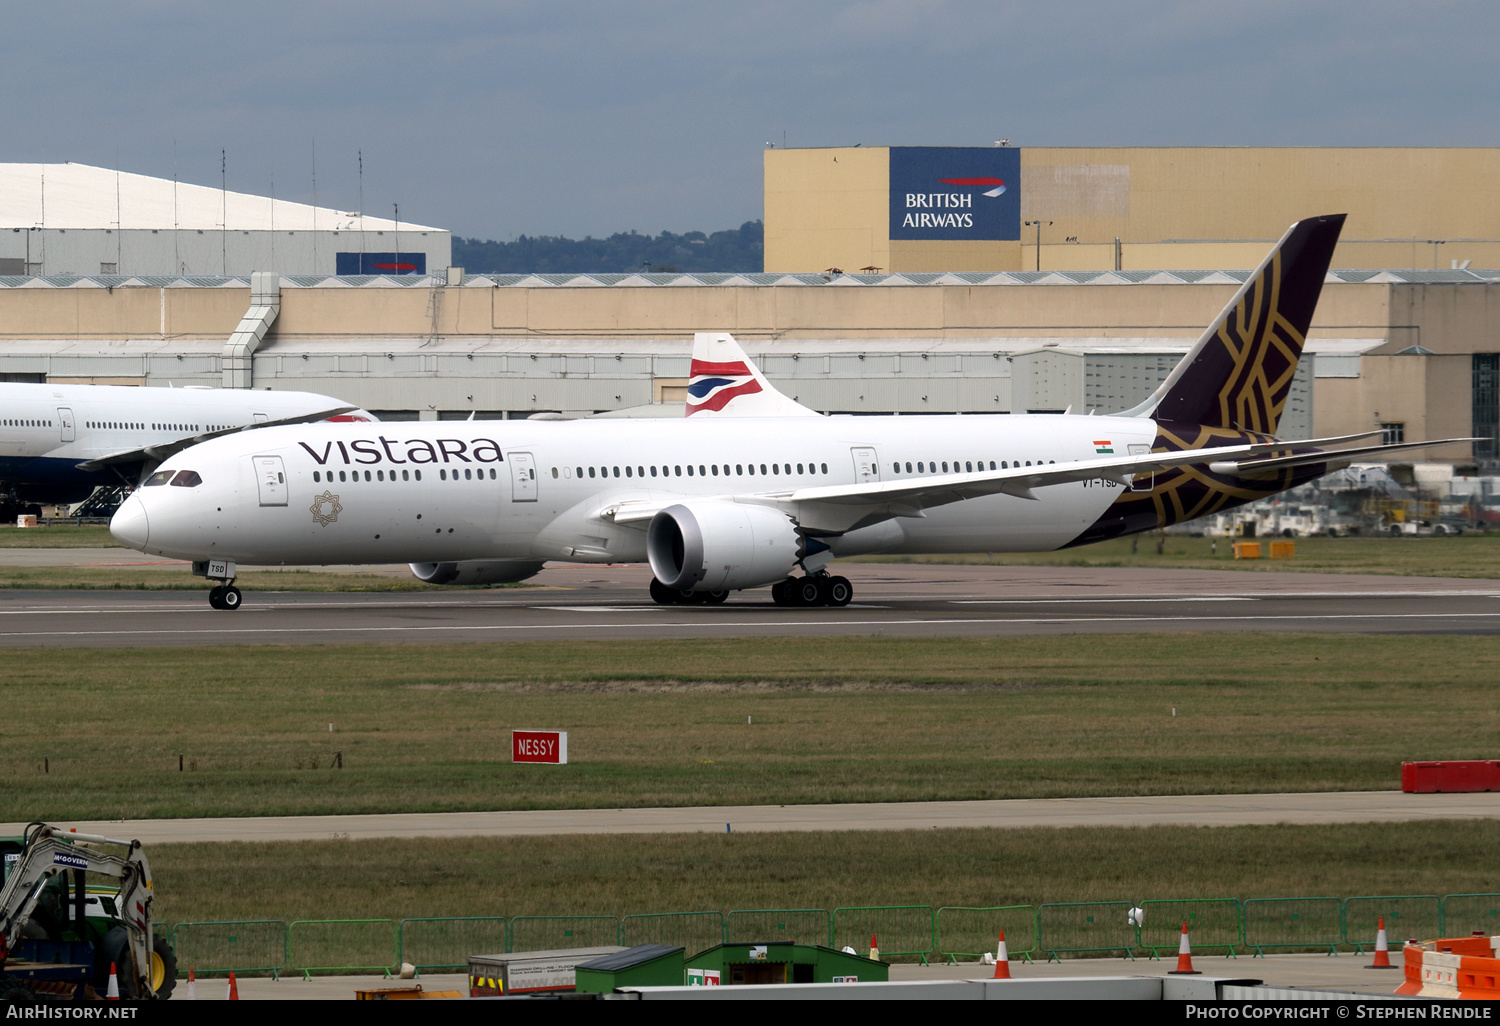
<point>656,280</point>
<point>79,196</point>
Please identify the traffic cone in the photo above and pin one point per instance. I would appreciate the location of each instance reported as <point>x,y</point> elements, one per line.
<point>1382,950</point>
<point>1002,959</point>
<point>192,985</point>
<point>1184,957</point>
<point>113,993</point>
<point>234,989</point>
<point>874,949</point>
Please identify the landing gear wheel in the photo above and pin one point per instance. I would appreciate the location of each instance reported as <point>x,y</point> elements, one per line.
<point>714,598</point>
<point>781,592</point>
<point>809,591</point>
<point>216,597</point>
<point>231,598</point>
<point>840,591</point>
<point>661,594</point>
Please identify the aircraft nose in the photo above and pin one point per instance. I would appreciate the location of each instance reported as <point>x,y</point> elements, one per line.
<point>129,525</point>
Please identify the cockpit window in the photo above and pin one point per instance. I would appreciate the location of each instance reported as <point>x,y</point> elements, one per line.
<point>187,479</point>
<point>161,477</point>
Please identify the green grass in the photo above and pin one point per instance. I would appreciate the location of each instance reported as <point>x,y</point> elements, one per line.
<point>1467,555</point>
<point>56,536</point>
<point>622,874</point>
<point>834,720</point>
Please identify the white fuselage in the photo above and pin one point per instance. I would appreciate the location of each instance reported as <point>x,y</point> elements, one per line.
<point>428,492</point>
<point>47,430</point>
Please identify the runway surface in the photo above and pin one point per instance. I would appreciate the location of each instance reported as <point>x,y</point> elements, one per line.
<point>893,600</point>
<point>1183,810</point>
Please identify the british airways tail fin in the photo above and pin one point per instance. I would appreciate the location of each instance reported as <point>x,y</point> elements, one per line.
<point>1239,373</point>
<point>725,383</point>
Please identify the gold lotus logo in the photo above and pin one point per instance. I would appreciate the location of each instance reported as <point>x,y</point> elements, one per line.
<point>326,509</point>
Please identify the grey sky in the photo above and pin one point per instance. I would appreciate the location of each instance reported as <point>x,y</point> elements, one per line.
<point>500,118</point>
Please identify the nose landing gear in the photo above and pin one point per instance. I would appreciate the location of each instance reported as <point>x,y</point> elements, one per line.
<point>225,596</point>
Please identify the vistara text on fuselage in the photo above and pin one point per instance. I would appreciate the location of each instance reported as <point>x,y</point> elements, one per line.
<point>751,487</point>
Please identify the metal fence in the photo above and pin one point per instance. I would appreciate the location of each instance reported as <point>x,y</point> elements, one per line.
<point>245,946</point>
<point>900,931</point>
<point>1406,915</point>
<point>1211,923</point>
<point>797,925</point>
<point>1079,927</point>
<point>448,943</point>
<point>1306,924</point>
<point>973,932</point>
<point>691,931</point>
<point>548,933</point>
<point>343,946</point>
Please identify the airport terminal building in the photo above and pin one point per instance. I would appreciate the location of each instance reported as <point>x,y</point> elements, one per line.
<point>1412,351</point>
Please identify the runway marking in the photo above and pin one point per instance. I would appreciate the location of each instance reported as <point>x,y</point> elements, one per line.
<point>1078,601</point>
<point>706,623</point>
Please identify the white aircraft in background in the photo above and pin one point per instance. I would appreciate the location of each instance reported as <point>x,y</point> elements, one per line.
<point>753,487</point>
<point>60,442</point>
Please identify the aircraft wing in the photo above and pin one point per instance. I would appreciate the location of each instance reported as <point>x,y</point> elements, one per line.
<point>153,454</point>
<point>836,508</point>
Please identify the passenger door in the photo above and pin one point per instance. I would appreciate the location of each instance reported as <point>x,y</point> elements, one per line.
<point>522,476</point>
<point>270,477</point>
<point>866,466</point>
<point>65,423</point>
<point>1142,482</point>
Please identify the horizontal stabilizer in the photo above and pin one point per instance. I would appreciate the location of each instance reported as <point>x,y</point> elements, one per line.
<point>1336,459</point>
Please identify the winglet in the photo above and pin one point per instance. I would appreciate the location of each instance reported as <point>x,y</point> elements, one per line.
<point>726,383</point>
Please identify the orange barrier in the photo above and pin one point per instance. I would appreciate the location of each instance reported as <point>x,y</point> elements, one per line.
<point>1247,550</point>
<point>1460,967</point>
<point>1283,550</point>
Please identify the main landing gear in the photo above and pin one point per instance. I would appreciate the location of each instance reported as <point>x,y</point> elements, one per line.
<point>813,590</point>
<point>225,596</point>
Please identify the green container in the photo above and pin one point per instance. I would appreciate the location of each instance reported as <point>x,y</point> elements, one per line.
<point>645,965</point>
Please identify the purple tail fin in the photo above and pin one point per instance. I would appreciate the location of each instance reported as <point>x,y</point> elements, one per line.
<point>1239,373</point>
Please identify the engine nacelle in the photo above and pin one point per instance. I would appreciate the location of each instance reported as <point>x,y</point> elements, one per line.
<point>476,571</point>
<point>721,546</point>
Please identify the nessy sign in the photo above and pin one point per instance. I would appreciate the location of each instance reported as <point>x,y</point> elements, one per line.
<point>549,746</point>
<point>955,192</point>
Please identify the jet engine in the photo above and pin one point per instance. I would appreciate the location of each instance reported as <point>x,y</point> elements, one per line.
<point>722,546</point>
<point>476,571</point>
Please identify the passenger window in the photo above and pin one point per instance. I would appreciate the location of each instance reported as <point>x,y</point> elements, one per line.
<point>716,470</point>
<point>341,475</point>
<point>825,467</point>
<point>316,478</point>
<point>554,473</point>
<point>799,468</point>
<point>762,470</point>
<point>591,472</point>
<point>161,477</point>
<point>641,471</point>
<point>628,472</point>
<point>417,474</point>
<point>443,474</point>
<point>617,472</point>
<point>404,477</point>
<point>468,476</point>
<point>187,479</point>
<point>690,470</point>
<point>739,470</point>
<point>968,466</point>
<point>776,468</point>
<point>653,470</point>
<point>701,471</point>
<point>679,471</point>
<point>367,475</point>
<point>380,475</point>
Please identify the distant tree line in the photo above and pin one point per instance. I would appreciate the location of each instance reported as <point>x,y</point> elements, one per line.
<point>738,249</point>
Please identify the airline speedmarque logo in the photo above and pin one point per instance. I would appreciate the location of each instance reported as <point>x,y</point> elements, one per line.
<point>324,517</point>
<point>713,384</point>
<point>961,203</point>
<point>387,450</point>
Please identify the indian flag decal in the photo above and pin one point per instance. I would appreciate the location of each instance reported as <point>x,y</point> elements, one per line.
<point>1104,448</point>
